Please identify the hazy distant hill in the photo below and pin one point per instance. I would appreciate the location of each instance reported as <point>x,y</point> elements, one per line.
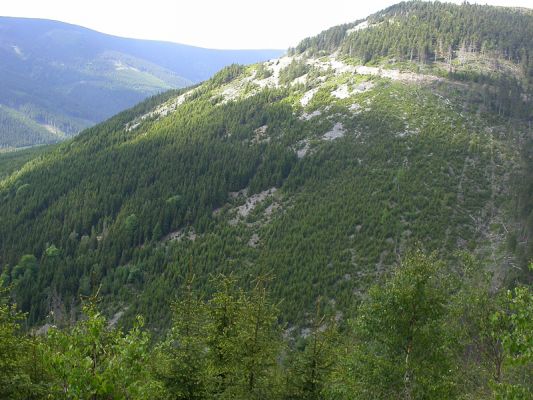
<point>57,78</point>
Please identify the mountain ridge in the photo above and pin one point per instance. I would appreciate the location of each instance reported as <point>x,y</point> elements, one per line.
<point>351,221</point>
<point>320,169</point>
<point>66,78</point>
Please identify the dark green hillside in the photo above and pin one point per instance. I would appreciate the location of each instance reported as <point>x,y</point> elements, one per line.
<point>11,161</point>
<point>323,226</point>
<point>432,31</point>
<point>98,210</point>
<point>20,131</point>
<point>320,171</point>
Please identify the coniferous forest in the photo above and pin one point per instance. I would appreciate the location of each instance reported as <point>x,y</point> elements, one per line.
<point>428,330</point>
<point>352,220</point>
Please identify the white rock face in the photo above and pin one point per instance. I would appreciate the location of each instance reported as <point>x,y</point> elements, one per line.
<point>302,80</point>
<point>252,201</point>
<point>230,93</point>
<point>339,67</point>
<point>336,132</point>
<point>308,116</point>
<point>363,87</point>
<point>120,66</point>
<point>303,148</point>
<point>254,240</point>
<point>308,96</point>
<point>189,234</point>
<point>342,92</point>
<point>355,108</point>
<point>362,25</point>
<point>260,135</point>
<point>53,129</point>
<point>161,111</point>
<point>275,66</point>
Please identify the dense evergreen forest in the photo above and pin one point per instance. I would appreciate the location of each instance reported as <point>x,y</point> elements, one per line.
<point>326,225</point>
<point>487,45</point>
<point>432,31</point>
<point>19,131</point>
<point>429,330</point>
<point>11,161</point>
<point>104,209</point>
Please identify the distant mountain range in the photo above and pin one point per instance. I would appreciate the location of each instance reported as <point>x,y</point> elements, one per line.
<point>376,181</point>
<point>57,79</point>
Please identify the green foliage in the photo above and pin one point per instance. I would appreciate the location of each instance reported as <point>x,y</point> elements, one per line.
<point>242,340</point>
<point>225,347</point>
<point>431,31</point>
<point>181,359</point>
<point>309,369</point>
<point>414,337</point>
<point>15,382</point>
<point>477,334</point>
<point>402,345</point>
<point>294,70</point>
<point>517,342</point>
<point>128,203</point>
<point>94,361</point>
<point>324,43</point>
<point>465,42</point>
<point>328,194</point>
<point>52,251</point>
<point>121,196</point>
<point>524,212</point>
<point>227,74</point>
<point>263,72</point>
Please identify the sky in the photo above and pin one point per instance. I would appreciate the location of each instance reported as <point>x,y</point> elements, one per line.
<point>222,24</point>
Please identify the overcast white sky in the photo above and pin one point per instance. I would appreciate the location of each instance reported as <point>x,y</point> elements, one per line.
<point>229,24</point>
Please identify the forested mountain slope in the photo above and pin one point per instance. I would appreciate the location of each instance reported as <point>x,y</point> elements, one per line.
<point>11,161</point>
<point>59,78</point>
<point>349,222</point>
<point>316,168</point>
